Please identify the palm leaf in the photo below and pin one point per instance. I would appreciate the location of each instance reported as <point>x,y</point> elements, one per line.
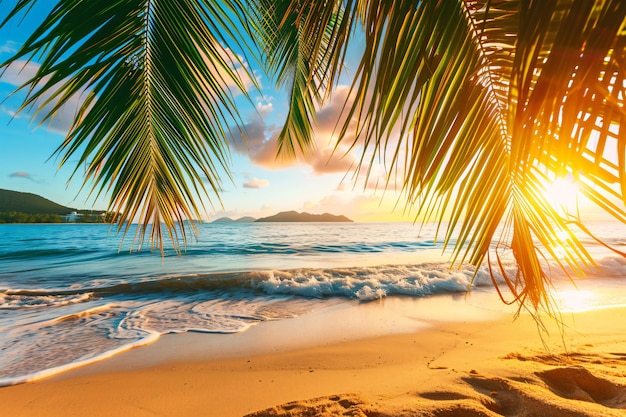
<point>156,83</point>
<point>527,66</point>
<point>491,99</point>
<point>302,46</point>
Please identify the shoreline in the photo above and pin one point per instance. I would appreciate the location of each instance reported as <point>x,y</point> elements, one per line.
<point>378,357</point>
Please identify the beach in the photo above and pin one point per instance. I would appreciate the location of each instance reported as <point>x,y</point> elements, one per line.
<point>264,209</point>
<point>451,355</point>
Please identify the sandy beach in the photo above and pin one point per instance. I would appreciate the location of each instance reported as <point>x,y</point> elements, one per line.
<point>397,357</point>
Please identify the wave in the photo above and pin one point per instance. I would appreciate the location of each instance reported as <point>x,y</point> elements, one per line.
<point>10,300</point>
<point>364,283</point>
<point>96,357</point>
<point>355,282</point>
<point>45,331</point>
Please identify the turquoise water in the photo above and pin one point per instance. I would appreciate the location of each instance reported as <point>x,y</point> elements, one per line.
<point>71,294</point>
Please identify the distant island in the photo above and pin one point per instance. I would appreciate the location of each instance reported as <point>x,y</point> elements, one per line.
<point>19,207</point>
<point>294,216</point>
<point>246,219</point>
<point>289,217</point>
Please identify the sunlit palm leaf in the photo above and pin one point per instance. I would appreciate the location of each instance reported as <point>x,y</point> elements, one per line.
<point>491,99</point>
<point>156,86</point>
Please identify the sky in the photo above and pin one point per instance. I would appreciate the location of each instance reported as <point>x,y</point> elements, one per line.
<point>261,185</point>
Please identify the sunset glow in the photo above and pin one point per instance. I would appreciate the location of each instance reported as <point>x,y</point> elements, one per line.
<point>563,194</point>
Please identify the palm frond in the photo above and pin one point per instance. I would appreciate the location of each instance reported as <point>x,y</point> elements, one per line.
<point>303,46</point>
<point>158,89</point>
<point>478,103</point>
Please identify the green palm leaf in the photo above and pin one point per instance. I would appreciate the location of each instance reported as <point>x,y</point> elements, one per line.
<point>302,46</point>
<point>491,98</point>
<point>156,83</point>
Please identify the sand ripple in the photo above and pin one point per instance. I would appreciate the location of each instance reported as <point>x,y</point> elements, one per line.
<point>561,391</point>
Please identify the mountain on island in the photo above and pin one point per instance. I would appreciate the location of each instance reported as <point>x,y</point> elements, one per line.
<point>294,216</point>
<point>245,219</point>
<point>16,201</point>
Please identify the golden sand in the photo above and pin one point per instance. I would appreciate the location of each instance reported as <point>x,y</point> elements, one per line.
<point>394,358</point>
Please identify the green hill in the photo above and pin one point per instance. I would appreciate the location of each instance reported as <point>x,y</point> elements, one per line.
<point>293,216</point>
<point>246,219</point>
<point>223,220</point>
<point>15,201</point>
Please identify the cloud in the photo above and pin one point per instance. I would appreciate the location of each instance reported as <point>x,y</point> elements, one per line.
<point>327,160</point>
<point>25,175</point>
<point>381,169</point>
<point>9,47</point>
<point>250,137</point>
<point>20,174</point>
<point>264,109</point>
<point>256,183</point>
<point>259,141</point>
<point>374,178</point>
<point>238,66</point>
<point>21,72</point>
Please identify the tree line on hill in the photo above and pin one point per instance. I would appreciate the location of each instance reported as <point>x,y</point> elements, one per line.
<point>20,217</point>
<point>17,217</point>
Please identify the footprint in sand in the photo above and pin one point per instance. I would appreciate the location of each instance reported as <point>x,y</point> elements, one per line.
<point>568,392</point>
<point>577,383</point>
<point>336,405</point>
<point>559,392</point>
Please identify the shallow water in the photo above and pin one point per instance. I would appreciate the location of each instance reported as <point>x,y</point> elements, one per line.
<point>71,294</point>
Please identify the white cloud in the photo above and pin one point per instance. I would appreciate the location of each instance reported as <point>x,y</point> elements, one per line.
<point>21,72</point>
<point>256,183</point>
<point>264,109</point>
<point>9,47</point>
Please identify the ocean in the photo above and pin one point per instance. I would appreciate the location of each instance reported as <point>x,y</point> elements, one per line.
<point>72,294</point>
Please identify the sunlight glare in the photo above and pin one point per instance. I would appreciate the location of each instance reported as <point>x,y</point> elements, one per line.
<point>576,300</point>
<point>563,194</point>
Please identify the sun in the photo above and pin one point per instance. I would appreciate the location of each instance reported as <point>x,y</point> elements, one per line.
<point>563,194</point>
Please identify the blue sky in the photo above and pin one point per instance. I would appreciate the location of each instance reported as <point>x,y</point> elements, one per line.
<point>260,186</point>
